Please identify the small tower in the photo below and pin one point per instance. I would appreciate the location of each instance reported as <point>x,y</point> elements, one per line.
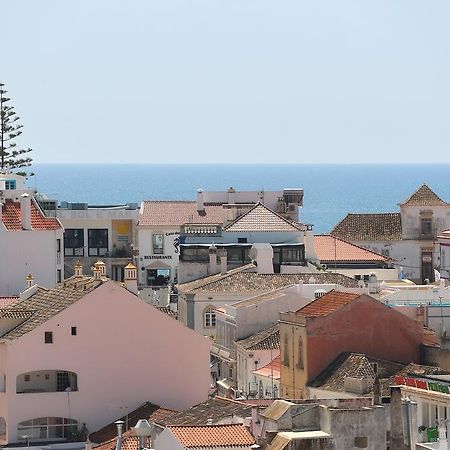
<point>212,259</point>
<point>102,266</point>
<point>96,272</point>
<point>130,278</point>
<point>29,279</point>
<point>78,269</point>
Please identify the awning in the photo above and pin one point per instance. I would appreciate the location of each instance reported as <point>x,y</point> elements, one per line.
<point>226,384</point>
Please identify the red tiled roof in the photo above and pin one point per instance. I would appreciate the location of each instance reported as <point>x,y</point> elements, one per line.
<point>263,219</point>
<point>7,301</point>
<point>327,304</point>
<point>424,196</point>
<point>369,227</point>
<point>129,442</point>
<point>211,436</point>
<point>177,213</point>
<point>270,370</point>
<point>11,217</point>
<point>329,248</point>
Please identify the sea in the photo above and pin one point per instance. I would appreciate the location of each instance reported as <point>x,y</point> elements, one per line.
<point>330,190</point>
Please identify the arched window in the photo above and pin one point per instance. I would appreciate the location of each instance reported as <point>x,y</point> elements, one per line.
<point>209,317</point>
<point>47,428</point>
<point>300,353</point>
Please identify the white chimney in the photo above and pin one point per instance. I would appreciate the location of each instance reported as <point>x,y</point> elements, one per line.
<point>231,195</point>
<point>29,279</point>
<point>200,202</point>
<point>262,254</point>
<point>310,252</point>
<point>96,272</point>
<point>25,211</point>
<point>130,279</point>
<point>119,424</point>
<point>212,259</point>
<point>223,262</point>
<point>373,283</point>
<point>78,269</point>
<point>88,445</point>
<point>102,266</point>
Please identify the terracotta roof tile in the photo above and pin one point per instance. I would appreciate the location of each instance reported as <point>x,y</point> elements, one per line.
<point>11,217</point>
<point>129,442</point>
<point>217,409</point>
<point>424,196</point>
<point>149,411</point>
<point>263,219</point>
<point>241,280</point>
<point>177,213</point>
<point>267,339</point>
<point>330,248</point>
<point>46,303</point>
<point>212,436</point>
<point>7,301</point>
<point>327,304</point>
<point>273,369</point>
<point>167,310</point>
<point>369,227</point>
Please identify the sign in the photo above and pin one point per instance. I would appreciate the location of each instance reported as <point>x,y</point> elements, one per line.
<point>173,233</point>
<point>158,257</point>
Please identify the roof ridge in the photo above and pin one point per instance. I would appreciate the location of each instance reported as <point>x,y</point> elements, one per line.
<point>258,204</point>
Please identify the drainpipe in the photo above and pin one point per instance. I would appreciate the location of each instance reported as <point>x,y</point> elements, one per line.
<point>119,425</point>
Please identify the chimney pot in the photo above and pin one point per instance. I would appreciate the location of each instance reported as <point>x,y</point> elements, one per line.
<point>25,211</point>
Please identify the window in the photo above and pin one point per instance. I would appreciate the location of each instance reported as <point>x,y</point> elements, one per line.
<point>58,276</point>
<point>27,377</point>
<point>47,428</point>
<point>158,244</point>
<point>238,254</point>
<point>98,241</point>
<point>360,442</point>
<point>158,277</point>
<point>292,254</point>
<point>62,381</point>
<point>194,254</point>
<point>48,337</point>
<point>242,240</point>
<point>209,317</point>
<point>58,245</point>
<point>74,242</point>
<point>425,227</point>
<point>10,184</point>
<point>73,331</point>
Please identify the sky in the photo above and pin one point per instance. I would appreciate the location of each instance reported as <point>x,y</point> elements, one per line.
<point>236,81</point>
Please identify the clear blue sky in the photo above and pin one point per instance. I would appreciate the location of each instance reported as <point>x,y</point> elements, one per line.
<point>230,80</point>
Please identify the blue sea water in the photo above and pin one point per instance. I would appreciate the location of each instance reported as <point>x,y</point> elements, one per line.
<point>331,191</point>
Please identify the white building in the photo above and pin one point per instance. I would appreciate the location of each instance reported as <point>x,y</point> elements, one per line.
<point>29,240</point>
<point>165,226</point>
<point>408,236</point>
<point>80,353</point>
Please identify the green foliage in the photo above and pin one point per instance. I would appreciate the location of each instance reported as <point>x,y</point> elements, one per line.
<point>11,157</point>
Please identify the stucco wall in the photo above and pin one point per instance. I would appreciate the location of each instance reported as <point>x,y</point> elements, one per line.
<point>364,326</point>
<point>125,352</point>
<point>29,251</point>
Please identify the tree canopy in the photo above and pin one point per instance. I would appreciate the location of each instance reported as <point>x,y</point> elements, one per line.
<point>11,156</point>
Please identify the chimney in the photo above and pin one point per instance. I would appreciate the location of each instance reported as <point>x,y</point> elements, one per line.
<point>25,211</point>
<point>102,266</point>
<point>212,259</point>
<point>119,424</point>
<point>142,430</point>
<point>130,279</point>
<point>88,444</point>
<point>29,279</point>
<point>263,255</point>
<point>231,195</point>
<point>96,272</point>
<point>397,438</point>
<point>223,262</point>
<point>373,283</point>
<point>200,202</point>
<point>78,269</point>
<point>376,391</point>
<point>310,252</point>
